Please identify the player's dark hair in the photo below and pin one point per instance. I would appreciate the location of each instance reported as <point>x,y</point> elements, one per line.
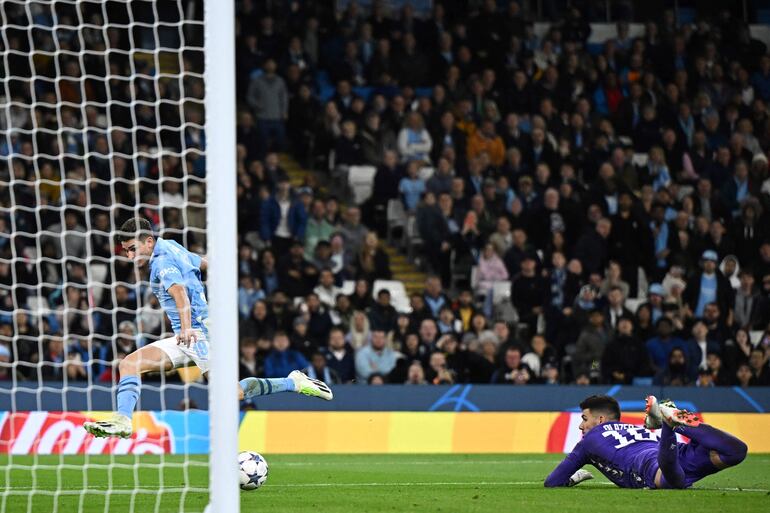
<point>602,403</point>
<point>137,228</point>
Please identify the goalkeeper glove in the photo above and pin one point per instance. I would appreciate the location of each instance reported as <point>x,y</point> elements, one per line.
<point>580,476</point>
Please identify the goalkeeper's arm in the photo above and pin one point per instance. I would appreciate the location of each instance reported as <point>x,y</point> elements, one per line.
<point>565,473</point>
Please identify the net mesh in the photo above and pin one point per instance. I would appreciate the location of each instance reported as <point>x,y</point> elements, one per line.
<point>101,120</point>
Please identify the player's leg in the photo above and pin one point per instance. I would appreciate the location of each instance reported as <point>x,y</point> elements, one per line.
<point>152,358</point>
<point>725,450</point>
<point>295,382</point>
<point>670,474</point>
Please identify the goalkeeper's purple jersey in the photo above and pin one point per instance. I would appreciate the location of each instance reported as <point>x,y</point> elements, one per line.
<point>172,264</point>
<point>625,453</point>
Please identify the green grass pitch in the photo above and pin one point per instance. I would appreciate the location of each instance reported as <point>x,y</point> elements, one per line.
<point>358,484</point>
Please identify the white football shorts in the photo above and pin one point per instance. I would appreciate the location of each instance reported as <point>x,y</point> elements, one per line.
<point>181,355</point>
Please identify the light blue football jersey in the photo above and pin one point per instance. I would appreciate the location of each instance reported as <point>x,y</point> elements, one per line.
<point>170,264</point>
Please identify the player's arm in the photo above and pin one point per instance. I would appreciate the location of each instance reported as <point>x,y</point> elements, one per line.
<point>566,474</point>
<point>204,264</point>
<point>179,293</point>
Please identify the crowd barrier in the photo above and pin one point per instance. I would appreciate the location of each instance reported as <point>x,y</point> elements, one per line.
<point>454,398</point>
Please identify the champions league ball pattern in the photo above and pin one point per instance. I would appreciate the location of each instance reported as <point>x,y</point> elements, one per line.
<point>253,470</point>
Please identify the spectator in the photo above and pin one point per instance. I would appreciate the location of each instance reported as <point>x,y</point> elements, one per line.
<point>319,370</point>
<point>282,218</point>
<point>491,269</point>
<point>539,354</point>
<point>528,291</point>
<point>590,346</point>
<point>382,315</point>
<point>249,365</point>
<point>411,186</point>
<point>374,358</point>
<point>415,375</point>
<point>269,99</point>
<point>676,372</point>
<point>708,286</point>
<point>660,347</point>
<point>318,228</point>
<point>296,275</point>
<point>414,141</point>
<point>486,140</point>
<point>513,371</point>
<point>340,356</point>
<point>758,363</point>
<point>372,263</point>
<point>282,360</point>
<point>625,357</point>
<point>326,291</point>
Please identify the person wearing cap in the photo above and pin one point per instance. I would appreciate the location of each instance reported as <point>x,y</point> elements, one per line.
<point>709,286</point>
<point>282,218</point>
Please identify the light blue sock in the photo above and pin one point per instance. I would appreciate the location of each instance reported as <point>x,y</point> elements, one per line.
<point>253,387</point>
<point>128,394</point>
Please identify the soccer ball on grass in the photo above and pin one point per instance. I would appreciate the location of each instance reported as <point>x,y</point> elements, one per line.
<point>252,470</point>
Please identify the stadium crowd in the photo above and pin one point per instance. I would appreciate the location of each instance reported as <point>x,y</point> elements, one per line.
<point>621,187</point>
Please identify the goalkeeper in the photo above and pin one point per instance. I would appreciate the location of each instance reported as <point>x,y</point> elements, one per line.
<point>175,278</point>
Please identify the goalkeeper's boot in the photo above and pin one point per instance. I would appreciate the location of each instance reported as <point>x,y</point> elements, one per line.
<point>309,386</point>
<point>118,426</point>
<point>674,416</point>
<point>652,416</point>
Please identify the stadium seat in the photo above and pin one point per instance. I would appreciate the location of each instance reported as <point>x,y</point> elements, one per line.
<point>348,286</point>
<point>361,182</point>
<point>398,295</point>
<point>639,159</point>
<point>501,291</point>
<point>396,218</point>
<point>426,173</point>
<point>412,237</point>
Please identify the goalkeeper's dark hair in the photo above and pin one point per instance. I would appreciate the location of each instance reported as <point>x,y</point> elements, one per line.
<point>602,403</point>
<point>137,228</point>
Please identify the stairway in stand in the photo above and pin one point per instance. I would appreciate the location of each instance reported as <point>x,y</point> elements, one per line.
<point>403,269</point>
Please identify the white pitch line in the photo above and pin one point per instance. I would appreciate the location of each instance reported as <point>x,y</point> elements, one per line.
<point>437,462</point>
<point>104,489</point>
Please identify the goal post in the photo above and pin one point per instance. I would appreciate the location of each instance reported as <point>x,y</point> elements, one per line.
<point>221,166</point>
<point>110,110</point>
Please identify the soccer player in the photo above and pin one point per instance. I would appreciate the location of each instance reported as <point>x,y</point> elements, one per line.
<point>633,457</point>
<point>175,278</point>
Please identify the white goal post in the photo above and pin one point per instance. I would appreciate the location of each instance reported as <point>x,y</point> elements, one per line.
<point>102,106</point>
<point>222,226</point>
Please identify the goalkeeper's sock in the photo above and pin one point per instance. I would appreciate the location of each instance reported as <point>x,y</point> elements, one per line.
<point>253,387</point>
<point>668,459</point>
<point>128,394</point>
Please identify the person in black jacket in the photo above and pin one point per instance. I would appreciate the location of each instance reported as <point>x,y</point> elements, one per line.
<point>591,248</point>
<point>529,290</point>
<point>708,286</point>
<point>625,357</point>
<point>340,357</point>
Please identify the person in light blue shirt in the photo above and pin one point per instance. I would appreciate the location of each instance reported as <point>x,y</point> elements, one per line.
<point>175,279</point>
<point>411,186</point>
<point>374,358</point>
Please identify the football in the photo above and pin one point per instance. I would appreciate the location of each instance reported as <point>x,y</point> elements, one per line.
<point>253,470</point>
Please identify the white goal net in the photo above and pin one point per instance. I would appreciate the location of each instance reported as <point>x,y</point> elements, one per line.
<point>101,120</point>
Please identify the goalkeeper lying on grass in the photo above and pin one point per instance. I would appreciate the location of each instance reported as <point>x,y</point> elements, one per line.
<point>175,278</point>
<point>633,457</point>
